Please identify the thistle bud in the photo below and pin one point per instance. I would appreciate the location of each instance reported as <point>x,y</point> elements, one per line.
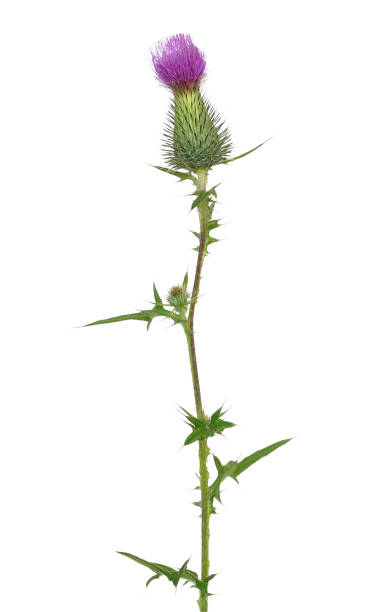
<point>178,297</point>
<point>194,136</point>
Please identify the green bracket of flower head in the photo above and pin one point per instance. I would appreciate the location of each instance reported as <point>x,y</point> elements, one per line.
<point>232,469</point>
<point>195,136</point>
<point>173,575</point>
<point>148,316</point>
<point>206,427</point>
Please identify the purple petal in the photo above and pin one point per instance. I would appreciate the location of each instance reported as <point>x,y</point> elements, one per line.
<point>178,62</point>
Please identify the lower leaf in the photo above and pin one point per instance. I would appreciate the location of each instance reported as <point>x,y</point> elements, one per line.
<point>174,575</point>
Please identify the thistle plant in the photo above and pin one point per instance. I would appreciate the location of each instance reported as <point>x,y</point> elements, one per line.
<point>195,141</point>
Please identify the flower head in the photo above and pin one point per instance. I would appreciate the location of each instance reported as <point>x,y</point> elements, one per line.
<point>178,297</point>
<point>195,136</point>
<point>178,62</point>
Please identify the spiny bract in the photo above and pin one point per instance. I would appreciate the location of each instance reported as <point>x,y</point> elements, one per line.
<point>195,136</point>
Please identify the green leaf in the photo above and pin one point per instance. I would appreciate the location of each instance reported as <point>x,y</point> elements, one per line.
<point>202,585</point>
<point>182,176</point>
<point>202,195</point>
<point>164,570</point>
<point>199,433</point>
<point>192,420</point>
<point>205,428</point>
<point>185,282</point>
<point>213,224</point>
<point>228,161</point>
<point>217,424</point>
<point>157,568</point>
<point>145,315</point>
<point>233,469</point>
<point>251,459</point>
<point>224,471</point>
<point>154,577</point>
<point>142,315</point>
<point>181,573</point>
<point>158,299</point>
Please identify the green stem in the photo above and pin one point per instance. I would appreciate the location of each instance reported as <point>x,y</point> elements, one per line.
<point>203,446</point>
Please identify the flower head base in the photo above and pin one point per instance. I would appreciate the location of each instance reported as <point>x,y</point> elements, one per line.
<point>178,62</point>
<point>194,136</point>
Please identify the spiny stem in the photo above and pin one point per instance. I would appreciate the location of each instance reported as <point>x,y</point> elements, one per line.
<point>203,446</point>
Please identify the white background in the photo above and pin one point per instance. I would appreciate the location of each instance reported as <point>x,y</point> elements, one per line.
<point>290,327</point>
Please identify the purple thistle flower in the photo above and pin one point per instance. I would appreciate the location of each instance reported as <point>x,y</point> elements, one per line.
<point>178,62</point>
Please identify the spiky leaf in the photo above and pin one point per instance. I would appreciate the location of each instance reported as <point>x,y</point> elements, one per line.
<point>206,427</point>
<point>158,299</point>
<point>224,471</point>
<point>145,315</point>
<point>232,469</point>
<point>182,176</point>
<point>203,585</point>
<point>154,577</point>
<point>202,195</point>
<point>251,459</point>
<point>185,282</point>
<point>217,424</point>
<point>142,315</point>
<point>159,569</point>
<point>212,224</point>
